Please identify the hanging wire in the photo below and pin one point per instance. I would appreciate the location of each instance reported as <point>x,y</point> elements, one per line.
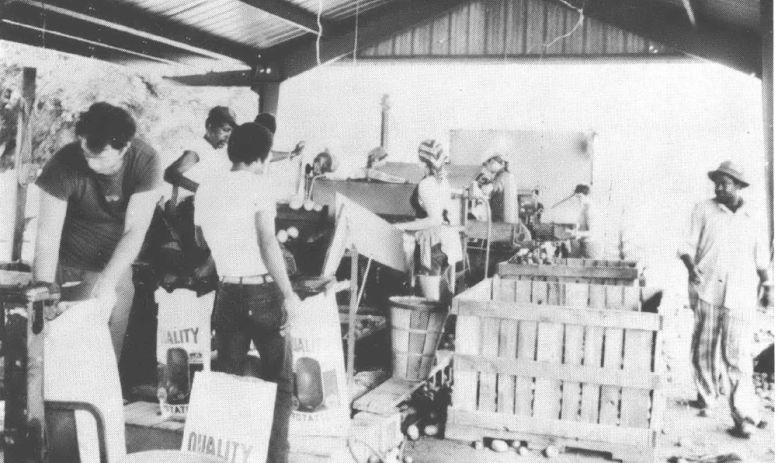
<point>568,33</point>
<point>319,33</point>
<point>571,31</point>
<point>356,33</point>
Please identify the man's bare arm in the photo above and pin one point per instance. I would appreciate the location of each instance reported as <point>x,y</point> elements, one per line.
<point>174,174</point>
<point>694,273</point>
<point>140,210</point>
<point>51,218</point>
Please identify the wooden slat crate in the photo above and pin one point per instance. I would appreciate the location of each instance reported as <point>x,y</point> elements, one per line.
<point>615,272</point>
<point>568,363</point>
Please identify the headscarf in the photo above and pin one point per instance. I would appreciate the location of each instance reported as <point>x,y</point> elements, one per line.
<point>431,152</point>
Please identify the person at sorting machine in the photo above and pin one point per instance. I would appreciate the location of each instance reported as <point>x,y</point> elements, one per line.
<point>255,297</point>
<point>585,243</point>
<point>437,245</point>
<point>322,165</point>
<point>501,190</point>
<point>204,156</point>
<point>376,158</point>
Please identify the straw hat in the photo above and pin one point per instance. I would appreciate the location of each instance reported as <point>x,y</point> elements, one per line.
<point>731,169</point>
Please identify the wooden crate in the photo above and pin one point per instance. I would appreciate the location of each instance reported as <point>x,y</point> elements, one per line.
<point>386,398</point>
<point>614,272</point>
<point>569,363</point>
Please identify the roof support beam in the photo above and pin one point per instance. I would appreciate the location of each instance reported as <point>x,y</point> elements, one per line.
<point>259,74</point>
<point>736,48</point>
<point>766,7</point>
<point>374,26</point>
<point>121,18</point>
<point>36,35</point>
<point>289,12</point>
<point>215,79</point>
<point>269,93</point>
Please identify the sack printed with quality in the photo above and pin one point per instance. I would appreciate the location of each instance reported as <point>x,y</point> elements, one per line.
<point>183,343</point>
<point>320,403</point>
<point>230,417</point>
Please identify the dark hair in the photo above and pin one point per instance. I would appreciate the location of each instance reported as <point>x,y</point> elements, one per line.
<point>266,120</point>
<point>248,143</point>
<point>219,116</point>
<point>584,189</point>
<point>104,124</point>
<point>326,161</point>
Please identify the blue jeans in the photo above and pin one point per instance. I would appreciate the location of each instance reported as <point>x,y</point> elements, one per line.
<point>246,313</point>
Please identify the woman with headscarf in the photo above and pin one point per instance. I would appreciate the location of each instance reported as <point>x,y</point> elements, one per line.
<point>437,244</point>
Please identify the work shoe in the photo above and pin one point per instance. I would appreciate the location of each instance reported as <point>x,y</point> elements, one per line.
<point>744,429</point>
<point>697,403</point>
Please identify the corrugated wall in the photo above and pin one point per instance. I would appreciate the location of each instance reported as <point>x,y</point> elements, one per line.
<point>514,28</point>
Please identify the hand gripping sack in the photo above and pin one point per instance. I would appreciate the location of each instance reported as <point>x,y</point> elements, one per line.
<point>230,417</point>
<point>321,401</point>
<point>183,345</point>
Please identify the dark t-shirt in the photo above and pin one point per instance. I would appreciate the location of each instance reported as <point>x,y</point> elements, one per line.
<point>97,204</point>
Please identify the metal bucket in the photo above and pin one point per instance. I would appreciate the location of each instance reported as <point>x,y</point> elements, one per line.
<point>417,323</point>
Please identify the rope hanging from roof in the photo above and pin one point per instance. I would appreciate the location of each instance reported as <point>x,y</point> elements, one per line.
<point>568,33</point>
<point>356,33</point>
<point>319,33</point>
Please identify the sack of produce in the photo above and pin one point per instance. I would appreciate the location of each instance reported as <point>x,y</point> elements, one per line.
<point>321,402</point>
<point>183,345</point>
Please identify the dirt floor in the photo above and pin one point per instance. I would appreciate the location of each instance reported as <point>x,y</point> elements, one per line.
<point>685,436</point>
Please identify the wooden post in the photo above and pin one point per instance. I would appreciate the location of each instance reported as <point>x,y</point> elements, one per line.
<point>269,93</point>
<point>767,107</point>
<point>352,318</point>
<point>23,158</point>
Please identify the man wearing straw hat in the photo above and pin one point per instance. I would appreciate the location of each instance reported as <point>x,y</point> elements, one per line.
<point>727,263</point>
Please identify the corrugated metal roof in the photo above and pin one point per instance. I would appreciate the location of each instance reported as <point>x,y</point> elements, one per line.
<point>240,30</point>
<point>231,19</point>
<point>498,28</point>
<point>246,24</point>
<point>336,10</point>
